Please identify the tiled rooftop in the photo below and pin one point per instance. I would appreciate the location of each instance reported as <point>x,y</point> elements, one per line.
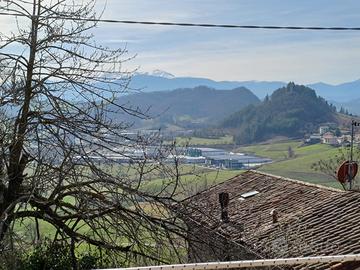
<point>312,220</point>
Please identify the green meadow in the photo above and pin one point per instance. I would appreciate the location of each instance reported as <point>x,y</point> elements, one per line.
<point>300,165</point>
<point>183,141</point>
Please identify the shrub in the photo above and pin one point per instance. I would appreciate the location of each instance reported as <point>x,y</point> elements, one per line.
<point>55,256</point>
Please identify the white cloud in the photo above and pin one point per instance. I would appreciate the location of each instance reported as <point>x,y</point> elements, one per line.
<point>331,62</point>
<point>233,54</point>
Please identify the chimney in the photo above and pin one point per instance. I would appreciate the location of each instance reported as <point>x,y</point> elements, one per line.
<point>224,202</point>
<point>274,215</point>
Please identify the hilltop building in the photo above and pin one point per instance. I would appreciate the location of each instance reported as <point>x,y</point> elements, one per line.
<point>257,215</point>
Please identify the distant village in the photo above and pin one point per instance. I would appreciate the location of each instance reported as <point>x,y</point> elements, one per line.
<point>330,134</point>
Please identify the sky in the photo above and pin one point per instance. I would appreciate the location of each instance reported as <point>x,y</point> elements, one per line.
<point>236,54</point>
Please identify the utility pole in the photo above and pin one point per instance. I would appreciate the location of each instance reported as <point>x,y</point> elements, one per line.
<point>351,167</point>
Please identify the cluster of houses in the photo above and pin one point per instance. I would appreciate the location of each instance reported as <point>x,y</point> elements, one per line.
<point>331,135</point>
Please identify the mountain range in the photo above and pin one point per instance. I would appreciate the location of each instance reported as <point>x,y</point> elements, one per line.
<point>151,82</point>
<point>346,94</point>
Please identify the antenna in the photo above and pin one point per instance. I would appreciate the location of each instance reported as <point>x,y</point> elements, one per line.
<point>350,172</point>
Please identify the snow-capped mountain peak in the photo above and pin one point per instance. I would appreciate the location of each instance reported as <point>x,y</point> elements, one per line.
<point>158,73</point>
<point>161,73</point>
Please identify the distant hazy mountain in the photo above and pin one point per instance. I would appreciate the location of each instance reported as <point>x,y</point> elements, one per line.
<point>344,92</point>
<point>290,111</point>
<point>151,83</point>
<point>163,81</point>
<point>190,107</point>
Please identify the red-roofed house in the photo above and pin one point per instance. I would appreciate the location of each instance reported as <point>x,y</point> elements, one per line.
<point>272,217</point>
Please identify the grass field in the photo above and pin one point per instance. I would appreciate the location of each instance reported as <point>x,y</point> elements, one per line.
<point>275,151</point>
<point>298,167</point>
<point>151,171</point>
<point>193,179</point>
<point>190,184</point>
<point>183,141</point>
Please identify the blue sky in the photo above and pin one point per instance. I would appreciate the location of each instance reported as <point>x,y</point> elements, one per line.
<point>235,54</point>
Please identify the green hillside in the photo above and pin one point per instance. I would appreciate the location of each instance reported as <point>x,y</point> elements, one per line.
<point>300,166</point>
<point>185,141</point>
<point>187,108</point>
<point>290,111</point>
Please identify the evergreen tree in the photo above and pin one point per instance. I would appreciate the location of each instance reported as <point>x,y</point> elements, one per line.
<point>291,111</point>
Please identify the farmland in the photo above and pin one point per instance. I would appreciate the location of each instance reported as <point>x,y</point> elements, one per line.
<point>183,141</point>
<point>299,166</point>
<point>192,179</point>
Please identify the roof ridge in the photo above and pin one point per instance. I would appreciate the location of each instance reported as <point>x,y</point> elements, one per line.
<point>298,181</point>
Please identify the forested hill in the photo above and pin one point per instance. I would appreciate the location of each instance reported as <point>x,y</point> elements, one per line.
<point>191,106</point>
<point>290,111</point>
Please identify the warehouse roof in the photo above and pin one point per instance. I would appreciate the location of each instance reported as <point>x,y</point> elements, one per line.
<point>240,158</point>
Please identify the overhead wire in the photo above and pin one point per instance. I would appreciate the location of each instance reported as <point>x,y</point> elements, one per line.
<point>180,24</point>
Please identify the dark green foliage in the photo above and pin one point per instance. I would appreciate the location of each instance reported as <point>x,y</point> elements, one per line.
<point>209,133</point>
<point>87,262</point>
<point>55,256</point>
<point>344,111</point>
<point>291,111</point>
<point>190,108</point>
<point>337,132</point>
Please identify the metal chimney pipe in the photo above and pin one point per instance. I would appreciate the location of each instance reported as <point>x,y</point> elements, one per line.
<point>224,202</point>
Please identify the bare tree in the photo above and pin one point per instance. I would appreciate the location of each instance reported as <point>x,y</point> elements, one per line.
<point>58,144</point>
<point>331,165</point>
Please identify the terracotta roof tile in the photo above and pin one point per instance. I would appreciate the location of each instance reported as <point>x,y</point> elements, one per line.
<point>312,219</point>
